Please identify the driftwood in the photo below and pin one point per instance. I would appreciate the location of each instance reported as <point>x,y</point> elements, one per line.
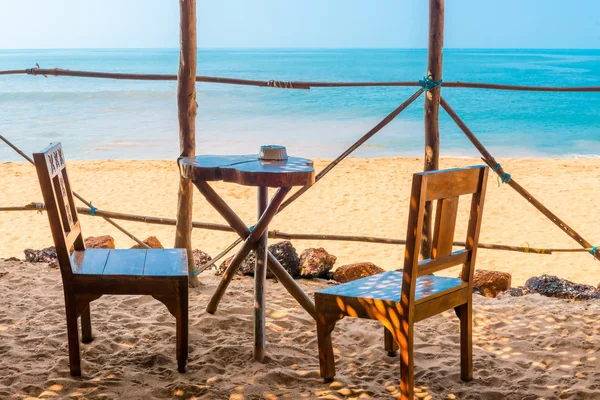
<point>276,234</point>
<point>389,118</point>
<point>496,167</point>
<point>186,111</point>
<point>291,84</point>
<point>431,111</point>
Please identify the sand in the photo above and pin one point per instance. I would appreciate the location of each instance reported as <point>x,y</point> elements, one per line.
<point>359,197</point>
<point>524,348</point>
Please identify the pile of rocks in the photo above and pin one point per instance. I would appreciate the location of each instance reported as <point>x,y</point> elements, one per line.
<point>317,263</point>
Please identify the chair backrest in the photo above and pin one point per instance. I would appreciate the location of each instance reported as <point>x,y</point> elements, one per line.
<point>60,204</point>
<point>445,187</point>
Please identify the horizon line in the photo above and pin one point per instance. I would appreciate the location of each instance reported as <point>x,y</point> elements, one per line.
<point>299,48</point>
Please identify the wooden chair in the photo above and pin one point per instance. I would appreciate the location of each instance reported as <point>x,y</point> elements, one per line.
<point>398,299</point>
<point>88,274</point>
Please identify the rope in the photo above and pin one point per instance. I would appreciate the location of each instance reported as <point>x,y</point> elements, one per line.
<point>92,210</point>
<point>280,84</point>
<point>593,250</point>
<point>34,71</point>
<point>429,84</point>
<point>504,178</point>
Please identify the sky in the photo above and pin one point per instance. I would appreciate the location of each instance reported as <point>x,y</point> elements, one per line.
<point>26,24</point>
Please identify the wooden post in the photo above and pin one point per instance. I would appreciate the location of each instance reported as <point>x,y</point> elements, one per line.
<point>187,106</point>
<point>432,106</point>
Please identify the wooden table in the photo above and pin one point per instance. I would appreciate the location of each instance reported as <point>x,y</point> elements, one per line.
<point>248,170</point>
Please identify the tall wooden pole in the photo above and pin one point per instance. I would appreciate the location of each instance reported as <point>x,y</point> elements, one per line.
<point>432,107</point>
<point>187,106</point>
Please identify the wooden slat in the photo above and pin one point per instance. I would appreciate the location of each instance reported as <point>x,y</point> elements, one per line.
<point>89,261</point>
<point>71,236</point>
<point>434,305</point>
<point>125,262</point>
<point>166,262</point>
<point>474,228</point>
<point>445,224</point>
<point>452,182</point>
<point>431,266</point>
<point>386,287</point>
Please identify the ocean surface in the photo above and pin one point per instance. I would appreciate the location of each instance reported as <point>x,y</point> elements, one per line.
<point>101,119</point>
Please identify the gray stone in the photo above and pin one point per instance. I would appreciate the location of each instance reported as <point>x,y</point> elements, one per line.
<point>284,252</point>
<point>553,286</point>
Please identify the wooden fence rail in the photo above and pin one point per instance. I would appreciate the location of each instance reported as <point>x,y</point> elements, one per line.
<point>290,84</point>
<point>275,234</point>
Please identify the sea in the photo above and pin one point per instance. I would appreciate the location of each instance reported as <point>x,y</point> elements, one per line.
<point>120,119</point>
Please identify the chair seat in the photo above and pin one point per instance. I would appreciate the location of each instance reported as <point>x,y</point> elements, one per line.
<point>131,262</point>
<point>387,286</point>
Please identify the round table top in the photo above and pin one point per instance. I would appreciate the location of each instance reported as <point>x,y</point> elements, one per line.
<point>248,170</point>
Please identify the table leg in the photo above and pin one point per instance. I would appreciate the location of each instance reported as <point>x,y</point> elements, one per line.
<point>248,245</point>
<point>260,277</point>
<point>238,225</point>
<point>291,286</point>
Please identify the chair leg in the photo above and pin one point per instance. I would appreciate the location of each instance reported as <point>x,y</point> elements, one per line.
<point>86,326</point>
<point>390,345</point>
<point>407,372</point>
<point>182,327</point>
<point>326,359</point>
<point>464,313</point>
<point>73,337</point>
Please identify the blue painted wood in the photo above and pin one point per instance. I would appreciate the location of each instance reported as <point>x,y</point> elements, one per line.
<point>387,286</point>
<point>89,261</point>
<point>166,262</point>
<point>125,262</point>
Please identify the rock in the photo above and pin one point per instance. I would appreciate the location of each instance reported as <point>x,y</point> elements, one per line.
<point>284,252</point>
<point>47,255</point>
<point>247,266</point>
<point>316,263</point>
<point>100,242</point>
<point>491,282</point>
<point>287,256</point>
<point>200,257</point>
<point>151,241</point>
<point>517,292</point>
<point>223,266</point>
<point>478,291</point>
<point>351,272</point>
<point>12,259</point>
<point>553,286</point>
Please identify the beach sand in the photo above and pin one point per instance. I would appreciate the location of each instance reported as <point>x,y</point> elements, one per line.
<point>524,348</point>
<point>359,197</point>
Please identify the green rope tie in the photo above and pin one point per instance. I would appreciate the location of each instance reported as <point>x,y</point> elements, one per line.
<point>429,84</point>
<point>93,210</point>
<point>505,177</point>
<point>593,250</point>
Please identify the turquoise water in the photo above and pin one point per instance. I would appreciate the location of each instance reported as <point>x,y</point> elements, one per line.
<point>99,118</point>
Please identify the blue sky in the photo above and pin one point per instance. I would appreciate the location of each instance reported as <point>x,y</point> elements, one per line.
<point>299,23</point>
